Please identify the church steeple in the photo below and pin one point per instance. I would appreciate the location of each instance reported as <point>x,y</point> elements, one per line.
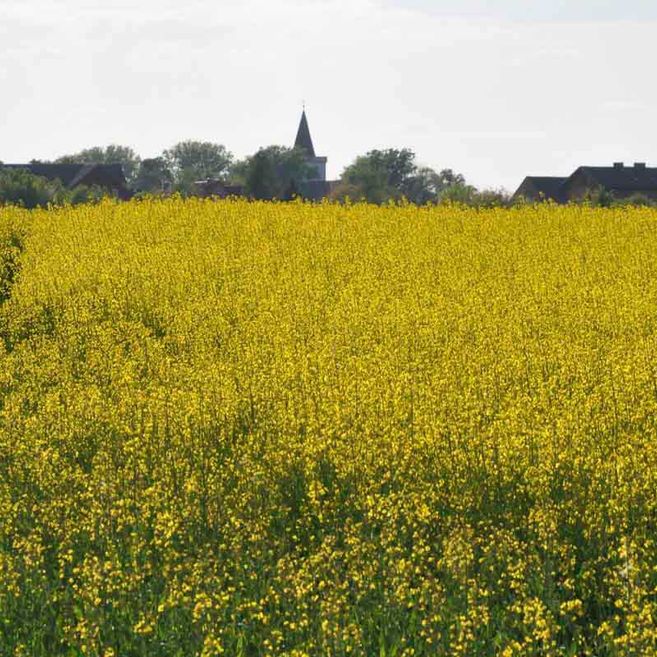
<point>303,139</point>
<point>316,165</point>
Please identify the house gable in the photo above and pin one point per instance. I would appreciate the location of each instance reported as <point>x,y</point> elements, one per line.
<point>541,188</point>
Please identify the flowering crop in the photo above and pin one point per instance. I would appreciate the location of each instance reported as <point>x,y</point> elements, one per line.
<point>290,429</point>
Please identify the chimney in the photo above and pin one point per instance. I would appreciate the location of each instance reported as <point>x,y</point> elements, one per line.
<point>618,165</point>
<point>639,165</point>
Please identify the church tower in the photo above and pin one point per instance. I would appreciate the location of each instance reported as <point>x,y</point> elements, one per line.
<point>305,143</point>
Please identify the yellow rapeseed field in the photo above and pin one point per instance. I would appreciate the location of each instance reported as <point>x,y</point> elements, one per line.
<point>249,429</point>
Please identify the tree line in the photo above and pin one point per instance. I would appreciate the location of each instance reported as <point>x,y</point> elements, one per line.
<point>273,172</point>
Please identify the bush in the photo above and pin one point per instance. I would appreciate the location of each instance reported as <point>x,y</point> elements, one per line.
<point>638,200</point>
<point>12,238</point>
<point>20,187</point>
<point>83,194</point>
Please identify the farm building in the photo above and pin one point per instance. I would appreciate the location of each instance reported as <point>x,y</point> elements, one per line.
<point>109,177</point>
<point>217,189</point>
<point>542,188</point>
<point>620,181</point>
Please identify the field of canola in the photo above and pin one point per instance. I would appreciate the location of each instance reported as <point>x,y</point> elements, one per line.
<point>291,430</point>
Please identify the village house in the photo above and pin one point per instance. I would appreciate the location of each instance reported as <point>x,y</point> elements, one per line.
<point>541,188</point>
<point>217,189</point>
<point>619,180</point>
<point>108,177</point>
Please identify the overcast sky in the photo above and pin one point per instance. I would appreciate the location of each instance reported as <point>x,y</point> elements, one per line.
<point>495,89</point>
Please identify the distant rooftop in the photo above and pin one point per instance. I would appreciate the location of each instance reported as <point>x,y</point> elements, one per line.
<point>620,180</point>
<point>637,178</point>
<point>108,176</point>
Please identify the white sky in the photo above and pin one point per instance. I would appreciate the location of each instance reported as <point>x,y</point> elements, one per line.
<point>496,90</point>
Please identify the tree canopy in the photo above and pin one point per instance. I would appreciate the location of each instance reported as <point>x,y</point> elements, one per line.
<point>274,172</point>
<point>153,176</point>
<point>190,161</point>
<point>278,172</point>
<point>392,174</point>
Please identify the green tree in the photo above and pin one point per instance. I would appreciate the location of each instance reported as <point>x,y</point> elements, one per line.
<point>424,186</point>
<point>638,200</point>
<point>450,179</point>
<point>381,175</point>
<point>392,174</point>
<point>343,191</point>
<point>112,154</point>
<point>459,193</point>
<point>189,161</point>
<point>492,198</point>
<point>599,197</point>
<point>154,176</point>
<point>86,194</point>
<point>274,172</point>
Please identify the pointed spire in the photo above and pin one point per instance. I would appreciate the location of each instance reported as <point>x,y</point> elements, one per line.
<point>303,139</point>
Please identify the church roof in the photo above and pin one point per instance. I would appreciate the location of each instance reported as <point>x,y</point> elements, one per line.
<point>303,139</point>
